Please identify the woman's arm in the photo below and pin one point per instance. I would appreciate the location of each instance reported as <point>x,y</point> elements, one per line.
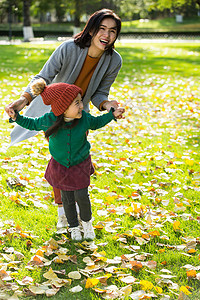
<point>51,68</point>
<point>48,73</point>
<point>100,98</point>
<point>16,106</point>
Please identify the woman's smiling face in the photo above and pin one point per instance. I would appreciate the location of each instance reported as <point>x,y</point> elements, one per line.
<point>105,37</point>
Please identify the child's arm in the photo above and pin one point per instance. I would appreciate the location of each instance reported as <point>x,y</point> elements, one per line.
<point>37,124</point>
<point>101,121</point>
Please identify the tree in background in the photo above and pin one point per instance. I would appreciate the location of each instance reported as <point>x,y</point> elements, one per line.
<point>181,8</point>
<point>79,8</point>
<point>5,10</point>
<point>16,9</point>
<point>91,7</point>
<point>77,15</point>
<point>135,9</point>
<point>42,10</point>
<point>10,10</point>
<point>27,28</point>
<point>60,8</point>
<point>141,9</point>
<point>173,5</point>
<point>39,9</point>
<point>75,10</point>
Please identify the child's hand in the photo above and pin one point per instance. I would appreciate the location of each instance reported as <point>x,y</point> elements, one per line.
<point>118,113</point>
<point>12,114</point>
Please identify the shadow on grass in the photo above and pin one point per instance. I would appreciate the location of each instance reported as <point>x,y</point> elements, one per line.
<point>153,59</point>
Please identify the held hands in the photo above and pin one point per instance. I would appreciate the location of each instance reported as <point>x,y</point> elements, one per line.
<point>118,111</point>
<point>13,115</point>
<point>107,105</point>
<point>16,106</point>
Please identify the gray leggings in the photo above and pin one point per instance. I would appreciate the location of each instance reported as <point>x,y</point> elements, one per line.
<point>83,200</point>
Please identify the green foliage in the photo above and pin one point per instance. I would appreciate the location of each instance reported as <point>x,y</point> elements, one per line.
<point>128,10</point>
<point>172,4</point>
<point>136,9</point>
<point>42,6</point>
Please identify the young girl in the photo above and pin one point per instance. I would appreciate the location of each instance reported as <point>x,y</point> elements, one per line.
<point>70,167</point>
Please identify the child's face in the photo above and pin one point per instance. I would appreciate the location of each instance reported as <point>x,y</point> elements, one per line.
<point>74,111</point>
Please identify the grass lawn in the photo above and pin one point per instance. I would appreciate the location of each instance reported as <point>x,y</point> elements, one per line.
<point>144,193</point>
<point>162,25</point>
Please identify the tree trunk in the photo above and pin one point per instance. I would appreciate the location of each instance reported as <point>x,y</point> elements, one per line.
<point>27,29</point>
<point>77,22</point>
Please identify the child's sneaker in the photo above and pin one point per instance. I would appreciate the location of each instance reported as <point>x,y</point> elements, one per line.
<point>88,229</point>
<point>75,233</point>
<point>62,222</point>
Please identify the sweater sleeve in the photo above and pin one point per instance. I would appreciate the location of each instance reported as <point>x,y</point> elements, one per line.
<point>51,68</point>
<point>101,95</point>
<point>100,121</point>
<point>37,124</point>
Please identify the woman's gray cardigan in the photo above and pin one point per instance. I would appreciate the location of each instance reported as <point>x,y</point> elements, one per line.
<point>64,65</point>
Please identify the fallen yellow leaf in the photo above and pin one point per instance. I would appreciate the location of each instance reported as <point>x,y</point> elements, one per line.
<point>146,285</point>
<point>91,282</point>
<point>191,274</point>
<point>158,289</point>
<point>154,233</point>
<point>192,251</point>
<point>184,290</point>
<point>176,225</point>
<point>50,275</point>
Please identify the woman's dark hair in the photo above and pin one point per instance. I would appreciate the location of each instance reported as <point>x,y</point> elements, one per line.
<point>83,39</point>
<point>59,123</point>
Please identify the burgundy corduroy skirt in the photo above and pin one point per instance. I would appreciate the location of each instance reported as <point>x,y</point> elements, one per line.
<point>69,179</point>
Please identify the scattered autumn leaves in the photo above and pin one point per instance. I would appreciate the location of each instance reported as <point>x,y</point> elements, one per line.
<point>144,196</point>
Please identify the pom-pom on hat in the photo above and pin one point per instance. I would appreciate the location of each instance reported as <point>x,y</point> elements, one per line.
<point>58,95</point>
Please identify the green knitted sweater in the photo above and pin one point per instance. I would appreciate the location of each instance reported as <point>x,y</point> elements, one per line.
<point>69,146</point>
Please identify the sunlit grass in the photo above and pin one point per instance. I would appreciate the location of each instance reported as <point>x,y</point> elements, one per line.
<point>154,150</point>
<point>162,25</point>
<point>173,59</point>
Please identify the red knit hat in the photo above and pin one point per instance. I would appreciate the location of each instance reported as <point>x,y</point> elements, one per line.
<point>58,95</point>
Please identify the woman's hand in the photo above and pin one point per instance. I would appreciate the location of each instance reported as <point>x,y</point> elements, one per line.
<point>13,115</point>
<point>16,106</point>
<point>108,104</point>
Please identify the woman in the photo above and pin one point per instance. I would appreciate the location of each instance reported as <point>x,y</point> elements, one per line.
<point>88,61</point>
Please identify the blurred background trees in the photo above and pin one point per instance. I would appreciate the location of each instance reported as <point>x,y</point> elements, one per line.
<point>77,11</point>
<point>74,10</point>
